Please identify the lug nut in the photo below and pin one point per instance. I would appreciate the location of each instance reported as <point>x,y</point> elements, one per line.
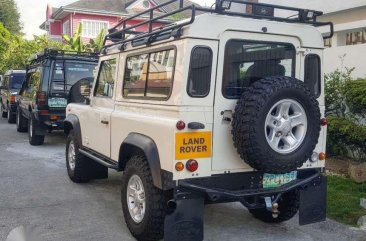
<point>278,134</point>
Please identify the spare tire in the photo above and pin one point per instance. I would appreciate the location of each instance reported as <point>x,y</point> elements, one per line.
<point>276,124</point>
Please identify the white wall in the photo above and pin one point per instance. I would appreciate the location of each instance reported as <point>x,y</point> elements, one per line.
<point>355,56</point>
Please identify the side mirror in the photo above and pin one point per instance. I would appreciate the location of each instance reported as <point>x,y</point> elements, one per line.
<point>85,89</point>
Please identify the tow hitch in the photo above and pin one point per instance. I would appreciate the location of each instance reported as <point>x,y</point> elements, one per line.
<point>272,206</point>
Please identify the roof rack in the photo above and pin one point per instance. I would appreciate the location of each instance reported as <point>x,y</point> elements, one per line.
<point>120,34</point>
<point>49,52</point>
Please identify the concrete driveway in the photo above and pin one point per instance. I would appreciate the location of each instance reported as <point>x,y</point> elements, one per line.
<point>36,192</point>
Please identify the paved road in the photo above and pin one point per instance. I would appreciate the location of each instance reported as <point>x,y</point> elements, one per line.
<point>36,192</point>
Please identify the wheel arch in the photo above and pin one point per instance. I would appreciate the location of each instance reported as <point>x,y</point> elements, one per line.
<point>72,123</point>
<point>136,143</point>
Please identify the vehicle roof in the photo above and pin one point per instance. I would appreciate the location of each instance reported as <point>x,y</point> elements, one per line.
<point>308,35</point>
<point>17,71</point>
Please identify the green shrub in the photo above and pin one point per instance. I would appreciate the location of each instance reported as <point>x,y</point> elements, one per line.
<point>344,135</point>
<point>355,95</point>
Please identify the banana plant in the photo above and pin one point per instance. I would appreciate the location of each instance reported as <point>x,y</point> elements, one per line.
<point>75,42</point>
<point>95,45</point>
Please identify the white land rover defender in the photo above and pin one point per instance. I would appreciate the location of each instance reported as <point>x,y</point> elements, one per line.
<point>224,106</point>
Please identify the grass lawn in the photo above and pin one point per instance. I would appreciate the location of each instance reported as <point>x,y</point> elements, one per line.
<point>344,200</point>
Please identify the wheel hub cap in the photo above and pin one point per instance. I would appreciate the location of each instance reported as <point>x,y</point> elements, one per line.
<point>71,156</point>
<point>136,198</point>
<point>286,126</point>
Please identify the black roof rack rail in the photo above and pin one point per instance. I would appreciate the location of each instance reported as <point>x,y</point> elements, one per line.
<point>120,34</point>
<point>50,52</point>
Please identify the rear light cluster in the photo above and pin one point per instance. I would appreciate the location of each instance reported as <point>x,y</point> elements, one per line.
<point>41,98</point>
<point>191,165</point>
<point>12,99</point>
<point>323,122</point>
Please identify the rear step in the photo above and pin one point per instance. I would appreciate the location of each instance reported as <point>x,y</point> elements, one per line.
<point>101,160</point>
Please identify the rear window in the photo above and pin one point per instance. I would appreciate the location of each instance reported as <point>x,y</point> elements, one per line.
<point>16,81</point>
<point>247,62</point>
<point>67,73</point>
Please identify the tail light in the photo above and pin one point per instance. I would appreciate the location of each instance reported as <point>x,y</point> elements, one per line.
<point>41,98</point>
<point>12,99</point>
<point>323,122</point>
<point>192,165</point>
<point>181,125</point>
<point>179,166</point>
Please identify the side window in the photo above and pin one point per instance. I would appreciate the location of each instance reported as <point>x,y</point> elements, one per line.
<point>135,76</point>
<point>199,79</point>
<point>160,75</point>
<point>312,76</point>
<point>247,62</point>
<point>106,78</point>
<point>149,75</point>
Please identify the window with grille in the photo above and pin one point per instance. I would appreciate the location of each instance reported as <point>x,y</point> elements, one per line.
<point>91,28</point>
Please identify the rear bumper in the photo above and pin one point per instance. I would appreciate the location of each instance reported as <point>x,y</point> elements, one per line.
<point>237,187</point>
<point>44,117</point>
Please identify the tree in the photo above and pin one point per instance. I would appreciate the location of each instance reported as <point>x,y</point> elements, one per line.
<point>10,16</point>
<point>20,50</point>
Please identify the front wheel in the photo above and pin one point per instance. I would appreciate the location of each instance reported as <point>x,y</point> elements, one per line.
<point>288,207</point>
<point>10,117</point>
<point>34,139</point>
<point>144,206</point>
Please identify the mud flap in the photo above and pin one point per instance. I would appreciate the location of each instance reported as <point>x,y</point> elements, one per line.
<point>313,202</point>
<point>186,222</point>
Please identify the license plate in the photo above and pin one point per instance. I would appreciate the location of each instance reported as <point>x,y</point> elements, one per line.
<point>57,102</point>
<point>277,180</point>
<point>192,145</point>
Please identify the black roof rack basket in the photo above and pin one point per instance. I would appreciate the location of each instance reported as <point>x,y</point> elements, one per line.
<point>123,33</point>
<point>51,52</point>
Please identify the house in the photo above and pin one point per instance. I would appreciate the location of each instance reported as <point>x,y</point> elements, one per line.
<point>347,48</point>
<point>95,15</point>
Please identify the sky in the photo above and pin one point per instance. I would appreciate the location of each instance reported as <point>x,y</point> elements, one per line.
<point>33,12</point>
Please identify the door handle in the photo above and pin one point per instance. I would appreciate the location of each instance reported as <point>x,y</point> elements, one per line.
<point>196,126</point>
<point>104,122</point>
<point>227,115</point>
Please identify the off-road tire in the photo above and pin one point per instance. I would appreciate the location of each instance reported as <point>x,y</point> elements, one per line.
<point>288,208</point>
<point>249,121</point>
<point>10,116</point>
<point>34,140</point>
<point>21,122</point>
<point>3,113</point>
<point>80,173</point>
<point>151,228</point>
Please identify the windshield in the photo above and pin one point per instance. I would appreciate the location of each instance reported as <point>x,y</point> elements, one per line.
<point>16,81</point>
<point>67,73</point>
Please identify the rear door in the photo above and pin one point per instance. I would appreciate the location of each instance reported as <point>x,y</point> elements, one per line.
<point>244,58</point>
<point>98,122</point>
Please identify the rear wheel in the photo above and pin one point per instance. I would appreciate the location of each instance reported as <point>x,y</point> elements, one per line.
<point>288,207</point>
<point>34,139</point>
<point>76,163</point>
<point>144,205</point>
<point>10,117</point>
<point>21,122</point>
